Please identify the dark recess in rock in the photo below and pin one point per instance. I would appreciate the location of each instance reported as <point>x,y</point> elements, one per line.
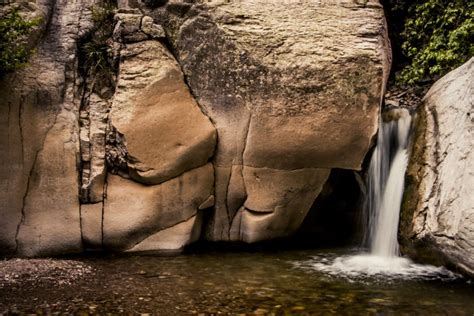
<point>154,3</point>
<point>334,218</point>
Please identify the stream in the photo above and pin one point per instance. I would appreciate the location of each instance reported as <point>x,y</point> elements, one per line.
<point>279,282</point>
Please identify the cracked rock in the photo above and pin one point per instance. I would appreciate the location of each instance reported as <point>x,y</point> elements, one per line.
<point>288,88</point>
<point>131,28</point>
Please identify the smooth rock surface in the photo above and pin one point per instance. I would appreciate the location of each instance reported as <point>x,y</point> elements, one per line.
<point>438,209</point>
<point>91,225</point>
<point>277,202</point>
<point>288,87</point>
<point>165,132</point>
<point>134,212</point>
<point>288,92</point>
<point>173,238</point>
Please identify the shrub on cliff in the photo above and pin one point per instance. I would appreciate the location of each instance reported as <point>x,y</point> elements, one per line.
<point>96,48</point>
<point>436,36</point>
<point>14,31</point>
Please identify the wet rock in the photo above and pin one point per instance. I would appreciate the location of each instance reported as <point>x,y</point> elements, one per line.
<point>437,212</point>
<point>394,114</point>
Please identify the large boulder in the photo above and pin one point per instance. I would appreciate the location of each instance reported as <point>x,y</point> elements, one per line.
<point>286,92</point>
<point>164,130</point>
<point>135,214</point>
<point>437,217</point>
<point>293,91</point>
<point>155,202</point>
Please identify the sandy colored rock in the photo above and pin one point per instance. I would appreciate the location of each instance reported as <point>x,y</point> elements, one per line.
<point>292,91</point>
<point>133,211</point>
<point>208,203</point>
<point>153,30</point>
<point>91,225</point>
<point>438,209</point>
<point>166,134</point>
<point>50,223</point>
<point>173,238</point>
<point>277,202</point>
<point>313,74</point>
<point>128,28</point>
<point>93,127</point>
<point>17,150</point>
<point>39,143</point>
<point>288,87</point>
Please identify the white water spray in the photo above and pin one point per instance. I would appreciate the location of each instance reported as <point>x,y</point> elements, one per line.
<point>386,180</point>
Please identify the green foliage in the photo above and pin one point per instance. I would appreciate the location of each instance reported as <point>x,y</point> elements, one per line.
<point>438,36</point>
<point>97,54</point>
<point>103,13</point>
<point>14,31</point>
<point>96,49</point>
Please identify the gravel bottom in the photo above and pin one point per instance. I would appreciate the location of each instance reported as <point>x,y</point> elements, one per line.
<point>42,271</point>
<point>226,283</point>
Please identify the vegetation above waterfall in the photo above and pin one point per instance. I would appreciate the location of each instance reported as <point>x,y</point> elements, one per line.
<point>430,37</point>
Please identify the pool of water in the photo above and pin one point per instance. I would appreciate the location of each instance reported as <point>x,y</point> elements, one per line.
<point>276,282</point>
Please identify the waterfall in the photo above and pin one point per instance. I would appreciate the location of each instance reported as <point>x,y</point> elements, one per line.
<point>386,179</point>
<point>386,184</point>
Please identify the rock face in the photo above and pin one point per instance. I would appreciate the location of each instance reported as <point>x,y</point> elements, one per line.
<point>165,132</point>
<point>293,91</point>
<point>134,212</point>
<point>39,139</point>
<point>438,210</point>
<point>237,110</point>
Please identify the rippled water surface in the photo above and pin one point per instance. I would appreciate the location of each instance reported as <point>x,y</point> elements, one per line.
<point>287,282</point>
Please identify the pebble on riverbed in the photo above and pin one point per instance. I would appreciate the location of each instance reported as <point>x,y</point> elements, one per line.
<point>42,271</point>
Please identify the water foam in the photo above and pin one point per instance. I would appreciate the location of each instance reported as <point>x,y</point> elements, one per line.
<point>363,266</point>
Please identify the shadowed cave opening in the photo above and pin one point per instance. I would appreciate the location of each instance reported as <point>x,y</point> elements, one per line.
<point>334,220</point>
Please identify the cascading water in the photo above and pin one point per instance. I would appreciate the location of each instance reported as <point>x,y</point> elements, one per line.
<point>385,191</point>
<point>386,184</point>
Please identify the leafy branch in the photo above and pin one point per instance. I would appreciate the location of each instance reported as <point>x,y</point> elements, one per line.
<point>14,32</point>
